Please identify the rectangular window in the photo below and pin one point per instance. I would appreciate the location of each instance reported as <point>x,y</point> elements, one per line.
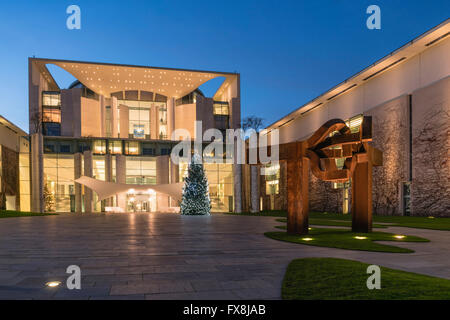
<point>132,148</point>
<point>221,187</point>
<point>64,148</point>
<point>272,177</point>
<point>140,170</point>
<point>99,146</point>
<point>115,147</point>
<point>51,99</point>
<point>221,108</point>
<point>148,151</point>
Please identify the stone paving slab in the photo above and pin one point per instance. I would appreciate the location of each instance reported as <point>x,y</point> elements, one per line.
<point>168,256</point>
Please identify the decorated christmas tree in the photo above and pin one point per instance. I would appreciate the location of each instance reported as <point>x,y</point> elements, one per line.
<point>195,200</point>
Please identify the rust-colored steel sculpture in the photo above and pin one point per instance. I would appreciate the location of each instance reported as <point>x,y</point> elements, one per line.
<point>332,140</point>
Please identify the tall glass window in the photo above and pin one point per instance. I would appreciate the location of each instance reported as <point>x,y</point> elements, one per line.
<point>141,170</point>
<point>138,117</point>
<point>162,115</point>
<point>51,113</point>
<point>272,177</point>
<point>221,187</point>
<point>59,190</point>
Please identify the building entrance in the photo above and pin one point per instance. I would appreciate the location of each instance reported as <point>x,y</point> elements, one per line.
<point>141,201</point>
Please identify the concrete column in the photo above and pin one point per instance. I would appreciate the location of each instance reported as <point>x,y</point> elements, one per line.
<point>154,122</point>
<point>254,188</point>
<point>114,118</point>
<point>103,116</point>
<point>37,173</point>
<point>121,174</point>
<point>108,175</point>
<point>124,122</point>
<point>77,174</point>
<point>237,172</point>
<point>88,166</point>
<point>162,177</point>
<point>170,116</point>
<point>174,177</point>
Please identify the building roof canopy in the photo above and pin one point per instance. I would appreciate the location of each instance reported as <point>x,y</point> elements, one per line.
<point>104,78</point>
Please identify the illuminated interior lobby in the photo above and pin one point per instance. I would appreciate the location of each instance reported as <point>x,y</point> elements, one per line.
<point>114,124</point>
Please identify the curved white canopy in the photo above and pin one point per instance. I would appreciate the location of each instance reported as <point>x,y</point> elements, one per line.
<point>105,78</point>
<point>106,189</point>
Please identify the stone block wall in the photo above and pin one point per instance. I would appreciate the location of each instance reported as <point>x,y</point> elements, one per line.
<point>390,131</point>
<point>322,197</point>
<point>430,189</point>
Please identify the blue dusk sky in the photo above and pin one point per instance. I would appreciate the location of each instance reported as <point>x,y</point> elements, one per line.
<point>287,52</point>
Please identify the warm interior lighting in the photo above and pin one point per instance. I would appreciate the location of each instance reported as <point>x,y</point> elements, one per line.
<point>398,236</point>
<point>360,237</point>
<point>53,284</point>
<point>306,239</point>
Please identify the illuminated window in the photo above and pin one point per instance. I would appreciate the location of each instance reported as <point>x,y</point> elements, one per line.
<point>272,177</point>
<point>115,147</point>
<point>221,186</point>
<point>58,180</point>
<point>140,170</point>
<point>162,113</point>
<point>51,99</point>
<point>221,108</point>
<point>354,123</point>
<point>99,146</point>
<point>132,148</point>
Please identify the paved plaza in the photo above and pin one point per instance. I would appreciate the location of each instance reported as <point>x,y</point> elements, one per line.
<point>168,256</point>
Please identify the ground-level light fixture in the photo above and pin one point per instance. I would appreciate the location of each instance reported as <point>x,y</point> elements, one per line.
<point>306,239</point>
<point>399,236</point>
<point>53,284</point>
<point>360,237</point>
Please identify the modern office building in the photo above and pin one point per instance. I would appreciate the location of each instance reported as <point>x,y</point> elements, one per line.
<point>115,124</point>
<point>407,93</point>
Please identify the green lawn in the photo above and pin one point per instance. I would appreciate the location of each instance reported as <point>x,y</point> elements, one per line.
<point>267,213</point>
<point>12,214</point>
<point>345,239</point>
<point>339,279</point>
<point>401,221</point>
<point>328,219</point>
<point>324,222</point>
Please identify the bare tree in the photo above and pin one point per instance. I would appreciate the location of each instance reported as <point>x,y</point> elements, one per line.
<point>253,122</point>
<point>36,122</point>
